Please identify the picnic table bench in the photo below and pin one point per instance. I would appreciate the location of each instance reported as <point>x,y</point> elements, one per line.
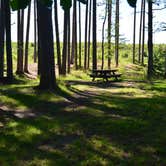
<point>105,74</point>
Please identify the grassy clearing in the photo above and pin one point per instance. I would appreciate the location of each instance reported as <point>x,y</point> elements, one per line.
<point>84,123</point>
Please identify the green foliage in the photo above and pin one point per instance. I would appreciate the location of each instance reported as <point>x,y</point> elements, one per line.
<point>19,4</point>
<point>132,3</point>
<point>22,4</point>
<point>66,4</point>
<point>159,59</point>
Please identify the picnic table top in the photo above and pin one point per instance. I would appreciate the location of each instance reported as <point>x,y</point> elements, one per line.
<point>105,70</point>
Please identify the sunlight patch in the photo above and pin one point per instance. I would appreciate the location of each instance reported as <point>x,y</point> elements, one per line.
<point>1,124</point>
<point>32,131</point>
<point>148,149</point>
<point>23,132</point>
<point>25,114</point>
<point>13,124</point>
<point>108,149</point>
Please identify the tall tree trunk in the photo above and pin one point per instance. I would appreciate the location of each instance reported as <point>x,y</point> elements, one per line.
<point>103,30</point>
<point>68,36</point>
<point>57,37</point>
<point>73,49</point>
<point>109,32</point>
<point>20,41</point>
<point>143,33</point>
<point>134,34</point>
<point>38,39</point>
<point>150,40</point>
<point>2,16</point>
<point>89,33</point>
<point>8,41</point>
<point>86,33</point>
<point>117,34</point>
<point>140,32</point>
<point>64,53</point>
<point>79,34</point>
<point>75,41</point>
<point>94,38</point>
<point>22,38</point>
<point>35,32</point>
<point>47,70</point>
<point>27,39</point>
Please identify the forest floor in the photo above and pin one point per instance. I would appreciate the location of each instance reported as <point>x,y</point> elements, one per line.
<point>83,122</point>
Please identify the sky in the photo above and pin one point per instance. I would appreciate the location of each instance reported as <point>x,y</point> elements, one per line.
<point>126,23</point>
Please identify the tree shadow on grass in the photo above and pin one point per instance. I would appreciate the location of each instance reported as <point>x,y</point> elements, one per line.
<point>16,80</point>
<point>133,132</point>
<point>97,84</point>
<point>159,89</point>
<point>66,145</point>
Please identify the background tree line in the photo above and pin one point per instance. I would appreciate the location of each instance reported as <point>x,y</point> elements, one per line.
<point>72,36</point>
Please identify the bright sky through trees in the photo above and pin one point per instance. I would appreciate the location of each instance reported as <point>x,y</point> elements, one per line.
<point>126,23</point>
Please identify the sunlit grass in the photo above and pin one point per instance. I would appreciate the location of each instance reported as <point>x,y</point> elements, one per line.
<point>84,122</point>
<point>113,125</point>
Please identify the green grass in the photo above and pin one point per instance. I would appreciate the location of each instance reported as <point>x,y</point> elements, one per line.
<point>83,123</point>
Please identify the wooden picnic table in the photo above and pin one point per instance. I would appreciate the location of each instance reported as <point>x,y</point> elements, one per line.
<point>105,74</point>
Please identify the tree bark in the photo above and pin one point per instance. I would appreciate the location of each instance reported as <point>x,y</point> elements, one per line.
<point>94,38</point>
<point>38,39</point>
<point>89,33</point>
<point>143,33</point>
<point>20,42</point>
<point>8,42</point>
<point>27,39</point>
<point>103,30</point>
<point>57,37</point>
<point>117,34</point>
<point>74,31</point>
<point>79,34</point>
<point>64,53</point>
<point>47,70</point>
<point>75,40</point>
<point>35,32</point>
<point>134,34</point>
<point>2,32</point>
<point>68,37</point>
<point>86,33</point>
<point>150,40</point>
<point>109,32</point>
<point>140,33</point>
